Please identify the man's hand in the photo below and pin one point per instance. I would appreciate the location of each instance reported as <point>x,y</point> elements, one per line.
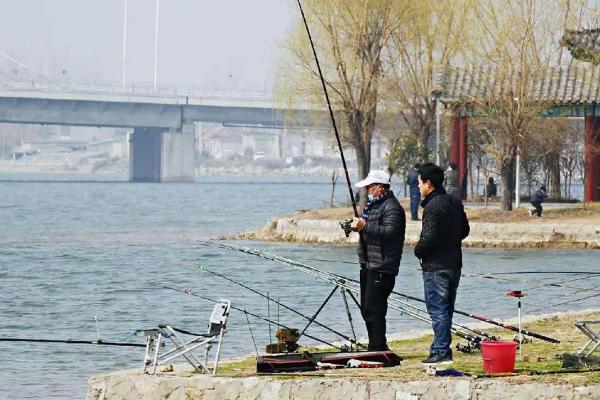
<point>358,224</point>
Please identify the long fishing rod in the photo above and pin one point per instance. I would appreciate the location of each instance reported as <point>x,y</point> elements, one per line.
<point>547,272</point>
<point>190,293</point>
<point>333,123</point>
<point>545,307</point>
<point>354,286</point>
<point>98,342</point>
<point>312,320</point>
<point>314,271</point>
<point>542,284</point>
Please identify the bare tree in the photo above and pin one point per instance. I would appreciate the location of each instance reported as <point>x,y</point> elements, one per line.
<point>518,44</point>
<point>350,38</point>
<point>435,36</point>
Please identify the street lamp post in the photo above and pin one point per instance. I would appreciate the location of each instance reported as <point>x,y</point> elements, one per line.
<point>124,43</point>
<point>156,43</point>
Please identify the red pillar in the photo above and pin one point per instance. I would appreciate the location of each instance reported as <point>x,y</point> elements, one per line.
<point>458,147</point>
<point>592,159</point>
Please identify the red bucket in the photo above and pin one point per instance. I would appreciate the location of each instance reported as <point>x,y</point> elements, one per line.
<point>498,356</point>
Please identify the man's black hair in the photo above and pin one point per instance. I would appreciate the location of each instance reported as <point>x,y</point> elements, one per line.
<point>432,173</point>
<point>454,166</point>
<point>417,165</point>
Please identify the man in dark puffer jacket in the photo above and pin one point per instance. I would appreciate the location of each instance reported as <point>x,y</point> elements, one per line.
<point>444,227</point>
<point>382,225</point>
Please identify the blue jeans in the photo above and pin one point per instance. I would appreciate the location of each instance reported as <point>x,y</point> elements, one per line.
<point>415,199</point>
<point>440,294</point>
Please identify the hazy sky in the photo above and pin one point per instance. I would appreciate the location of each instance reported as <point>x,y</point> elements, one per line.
<point>223,44</point>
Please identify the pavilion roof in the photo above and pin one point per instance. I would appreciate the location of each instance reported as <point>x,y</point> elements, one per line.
<point>576,85</point>
<point>584,45</point>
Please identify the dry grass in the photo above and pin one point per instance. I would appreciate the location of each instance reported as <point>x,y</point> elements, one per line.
<point>494,215</point>
<point>541,356</point>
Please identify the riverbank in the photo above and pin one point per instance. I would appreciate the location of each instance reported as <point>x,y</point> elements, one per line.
<point>238,380</point>
<point>564,228</point>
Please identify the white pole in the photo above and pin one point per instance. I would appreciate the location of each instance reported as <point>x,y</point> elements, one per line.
<point>156,43</point>
<point>518,183</point>
<point>437,132</point>
<point>124,42</point>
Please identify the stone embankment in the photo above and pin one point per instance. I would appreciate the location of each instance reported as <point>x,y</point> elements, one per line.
<point>530,234</point>
<point>135,385</point>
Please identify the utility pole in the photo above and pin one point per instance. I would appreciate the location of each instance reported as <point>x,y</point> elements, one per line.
<point>124,43</point>
<point>156,43</point>
<point>437,132</point>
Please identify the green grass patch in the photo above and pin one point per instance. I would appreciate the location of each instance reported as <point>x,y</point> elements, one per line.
<point>538,356</point>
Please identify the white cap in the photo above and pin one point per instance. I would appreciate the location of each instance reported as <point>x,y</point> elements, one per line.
<point>375,176</point>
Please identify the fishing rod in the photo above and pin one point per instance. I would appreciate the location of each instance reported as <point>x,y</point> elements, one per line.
<point>190,293</point>
<point>310,319</point>
<point>314,271</point>
<point>548,272</point>
<point>569,301</point>
<point>98,342</point>
<point>331,116</point>
<point>542,284</point>
<point>353,286</point>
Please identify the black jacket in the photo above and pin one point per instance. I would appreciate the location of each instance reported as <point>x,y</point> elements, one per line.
<point>445,225</point>
<point>412,180</point>
<point>383,237</point>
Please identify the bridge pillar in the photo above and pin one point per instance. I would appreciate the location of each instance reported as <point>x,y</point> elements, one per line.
<point>592,159</point>
<point>458,150</point>
<point>156,155</point>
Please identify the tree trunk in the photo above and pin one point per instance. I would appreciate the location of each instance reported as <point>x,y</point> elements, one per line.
<point>553,163</point>
<point>507,173</point>
<point>362,150</point>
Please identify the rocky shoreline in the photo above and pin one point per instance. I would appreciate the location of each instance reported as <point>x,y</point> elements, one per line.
<point>533,234</point>
<point>126,386</point>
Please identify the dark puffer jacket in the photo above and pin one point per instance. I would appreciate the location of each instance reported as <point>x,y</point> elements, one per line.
<point>384,237</point>
<point>445,225</point>
<point>451,182</point>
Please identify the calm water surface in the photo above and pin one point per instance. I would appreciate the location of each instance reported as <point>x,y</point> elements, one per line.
<point>70,251</point>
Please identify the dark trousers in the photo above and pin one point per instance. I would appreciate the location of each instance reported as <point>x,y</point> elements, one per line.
<point>538,208</point>
<point>440,295</point>
<point>415,199</point>
<point>375,288</point>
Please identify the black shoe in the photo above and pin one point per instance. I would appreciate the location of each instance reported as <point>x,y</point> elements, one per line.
<point>437,359</point>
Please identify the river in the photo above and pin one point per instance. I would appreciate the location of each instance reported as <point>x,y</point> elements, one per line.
<point>74,248</point>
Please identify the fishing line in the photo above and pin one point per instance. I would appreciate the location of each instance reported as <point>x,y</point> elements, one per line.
<point>354,286</point>
<point>311,319</point>
<point>337,279</point>
<point>189,292</point>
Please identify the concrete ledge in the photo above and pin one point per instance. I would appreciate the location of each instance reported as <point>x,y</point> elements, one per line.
<point>534,234</point>
<point>128,386</point>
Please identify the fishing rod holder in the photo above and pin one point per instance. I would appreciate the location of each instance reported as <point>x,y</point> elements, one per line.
<point>184,346</point>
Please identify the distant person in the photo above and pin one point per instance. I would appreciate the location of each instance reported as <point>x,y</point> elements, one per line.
<point>439,251</point>
<point>412,180</point>
<point>383,225</point>
<point>451,180</point>
<point>492,188</point>
<point>536,201</point>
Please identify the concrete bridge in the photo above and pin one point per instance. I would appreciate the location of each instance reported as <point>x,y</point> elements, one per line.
<point>162,144</point>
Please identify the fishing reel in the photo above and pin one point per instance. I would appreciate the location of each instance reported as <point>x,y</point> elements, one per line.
<point>346,226</point>
<point>472,345</point>
<point>287,339</point>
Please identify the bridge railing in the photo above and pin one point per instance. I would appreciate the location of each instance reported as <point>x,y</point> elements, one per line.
<point>135,90</point>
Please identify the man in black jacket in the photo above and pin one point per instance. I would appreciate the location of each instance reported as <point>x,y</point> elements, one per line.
<point>444,227</point>
<point>382,226</point>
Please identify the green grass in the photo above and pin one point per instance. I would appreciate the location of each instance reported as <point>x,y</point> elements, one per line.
<point>538,356</point>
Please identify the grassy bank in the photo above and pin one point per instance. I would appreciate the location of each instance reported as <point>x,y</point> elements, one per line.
<point>538,356</point>
<point>476,214</point>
